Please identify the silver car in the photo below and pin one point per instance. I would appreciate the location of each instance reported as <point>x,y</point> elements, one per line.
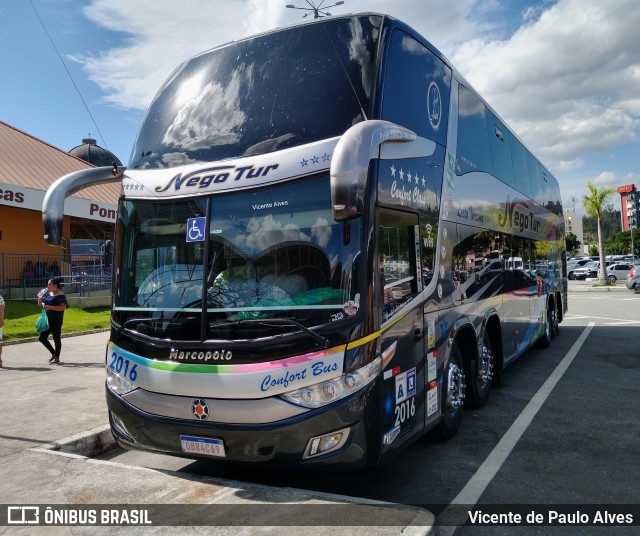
<point>588,270</point>
<point>633,281</point>
<point>618,271</point>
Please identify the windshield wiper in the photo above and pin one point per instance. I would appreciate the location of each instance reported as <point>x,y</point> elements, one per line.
<point>272,322</point>
<point>145,320</point>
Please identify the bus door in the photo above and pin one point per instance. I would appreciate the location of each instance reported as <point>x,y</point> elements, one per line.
<point>402,339</point>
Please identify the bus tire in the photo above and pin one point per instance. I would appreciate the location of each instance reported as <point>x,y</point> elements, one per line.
<point>480,373</point>
<point>545,340</point>
<point>452,397</point>
<point>555,321</point>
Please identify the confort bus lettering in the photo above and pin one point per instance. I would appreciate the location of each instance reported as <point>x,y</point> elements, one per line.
<point>316,267</point>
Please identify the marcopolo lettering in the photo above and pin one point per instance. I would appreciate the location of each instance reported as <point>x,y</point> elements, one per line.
<point>200,355</point>
<point>215,175</point>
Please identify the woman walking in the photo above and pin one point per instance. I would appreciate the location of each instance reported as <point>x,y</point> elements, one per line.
<point>54,302</point>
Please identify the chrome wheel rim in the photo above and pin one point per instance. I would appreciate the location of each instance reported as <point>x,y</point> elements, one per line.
<point>455,386</point>
<point>485,370</point>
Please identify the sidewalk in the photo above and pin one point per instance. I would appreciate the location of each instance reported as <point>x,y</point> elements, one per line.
<point>53,419</point>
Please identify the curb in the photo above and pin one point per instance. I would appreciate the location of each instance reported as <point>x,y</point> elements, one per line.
<point>598,289</point>
<point>88,444</point>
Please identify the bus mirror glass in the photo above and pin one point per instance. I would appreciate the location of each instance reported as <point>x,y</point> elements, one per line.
<point>350,163</point>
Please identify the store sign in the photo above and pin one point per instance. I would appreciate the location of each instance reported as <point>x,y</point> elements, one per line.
<point>31,199</point>
<point>625,189</point>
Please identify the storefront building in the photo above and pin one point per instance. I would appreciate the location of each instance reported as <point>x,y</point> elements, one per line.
<point>28,166</point>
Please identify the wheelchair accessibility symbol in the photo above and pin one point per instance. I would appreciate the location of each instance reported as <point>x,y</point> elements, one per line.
<point>195,229</point>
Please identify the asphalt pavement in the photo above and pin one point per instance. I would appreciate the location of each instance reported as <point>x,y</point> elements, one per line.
<point>53,421</point>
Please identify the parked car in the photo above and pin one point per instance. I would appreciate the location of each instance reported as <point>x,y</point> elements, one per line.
<point>618,271</point>
<point>633,281</point>
<point>588,270</point>
<point>573,264</point>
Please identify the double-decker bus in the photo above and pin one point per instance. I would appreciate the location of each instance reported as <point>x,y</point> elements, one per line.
<point>327,245</point>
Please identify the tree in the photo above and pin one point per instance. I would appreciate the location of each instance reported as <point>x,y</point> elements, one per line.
<point>572,243</point>
<point>610,220</point>
<point>620,243</point>
<point>594,204</point>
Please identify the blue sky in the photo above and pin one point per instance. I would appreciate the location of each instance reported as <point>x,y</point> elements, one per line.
<point>565,74</point>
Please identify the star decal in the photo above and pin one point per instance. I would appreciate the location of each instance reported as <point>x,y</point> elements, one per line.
<point>132,186</point>
<point>326,157</point>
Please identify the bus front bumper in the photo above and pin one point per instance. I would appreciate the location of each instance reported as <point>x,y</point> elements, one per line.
<point>291,442</point>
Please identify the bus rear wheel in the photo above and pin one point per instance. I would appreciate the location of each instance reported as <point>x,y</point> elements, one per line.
<point>452,397</point>
<point>480,372</point>
<point>550,318</point>
<point>555,322</point>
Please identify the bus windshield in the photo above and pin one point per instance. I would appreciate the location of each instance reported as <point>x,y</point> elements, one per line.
<point>271,254</point>
<point>278,90</point>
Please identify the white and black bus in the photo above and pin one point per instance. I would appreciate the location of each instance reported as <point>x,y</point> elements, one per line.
<point>315,251</point>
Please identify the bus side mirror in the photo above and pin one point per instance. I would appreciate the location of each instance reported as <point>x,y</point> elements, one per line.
<point>350,163</point>
<point>53,204</point>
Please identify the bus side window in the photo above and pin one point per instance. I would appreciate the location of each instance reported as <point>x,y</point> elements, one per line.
<point>500,144</point>
<point>415,77</point>
<point>474,153</point>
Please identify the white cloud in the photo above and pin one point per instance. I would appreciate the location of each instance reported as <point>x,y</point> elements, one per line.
<point>567,82</point>
<point>606,178</point>
<point>161,34</point>
<point>613,180</point>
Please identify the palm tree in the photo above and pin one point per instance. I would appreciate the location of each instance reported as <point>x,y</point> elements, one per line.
<point>594,204</point>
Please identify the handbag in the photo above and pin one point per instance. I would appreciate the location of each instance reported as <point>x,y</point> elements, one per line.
<point>42,323</point>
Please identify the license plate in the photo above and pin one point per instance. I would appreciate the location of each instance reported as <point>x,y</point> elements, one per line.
<point>203,446</point>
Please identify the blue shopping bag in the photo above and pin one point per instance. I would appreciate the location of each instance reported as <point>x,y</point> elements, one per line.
<point>42,324</point>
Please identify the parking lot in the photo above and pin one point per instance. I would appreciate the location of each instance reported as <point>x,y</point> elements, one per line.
<point>576,447</point>
<point>561,435</point>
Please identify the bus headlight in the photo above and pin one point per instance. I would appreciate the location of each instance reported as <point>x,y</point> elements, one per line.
<point>117,384</point>
<point>328,391</point>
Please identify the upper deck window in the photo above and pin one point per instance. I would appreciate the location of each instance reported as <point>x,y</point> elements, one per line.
<point>417,84</point>
<point>474,153</point>
<point>278,90</point>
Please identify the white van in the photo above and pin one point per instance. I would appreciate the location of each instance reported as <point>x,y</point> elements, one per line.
<point>514,263</point>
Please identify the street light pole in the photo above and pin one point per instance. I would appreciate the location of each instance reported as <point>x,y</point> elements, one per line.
<point>318,11</point>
